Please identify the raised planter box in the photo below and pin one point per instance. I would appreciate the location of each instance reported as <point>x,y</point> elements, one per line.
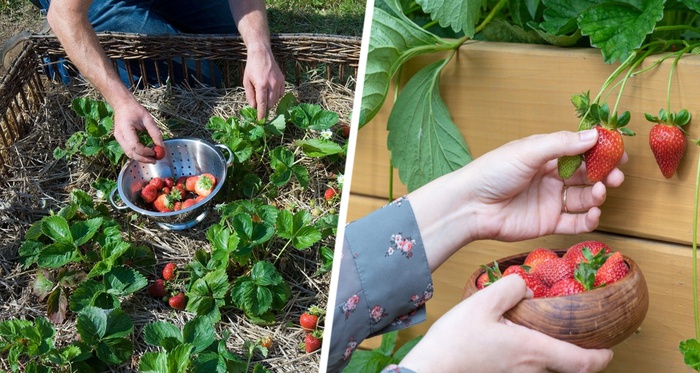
<point>499,92</point>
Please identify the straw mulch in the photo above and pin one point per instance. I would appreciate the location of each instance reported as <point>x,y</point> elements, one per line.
<point>39,184</point>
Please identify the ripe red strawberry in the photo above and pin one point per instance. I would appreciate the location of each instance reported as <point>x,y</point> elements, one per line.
<point>533,282</point>
<point>190,183</point>
<point>178,301</point>
<point>604,155</point>
<point>181,181</point>
<point>308,321</point>
<point>177,206</point>
<point>157,289</point>
<point>345,130</point>
<point>205,184</point>
<point>169,182</point>
<point>157,182</point>
<point>566,286</point>
<point>329,194</point>
<point>612,270</point>
<point>149,193</point>
<point>575,252</point>
<point>160,152</point>
<point>169,271</point>
<point>667,140</point>
<point>514,269</point>
<point>312,342</point>
<point>181,193</point>
<point>668,144</point>
<point>188,203</point>
<point>538,256</point>
<point>163,203</point>
<point>553,270</point>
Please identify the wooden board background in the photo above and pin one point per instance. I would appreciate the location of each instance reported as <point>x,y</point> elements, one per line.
<point>499,92</point>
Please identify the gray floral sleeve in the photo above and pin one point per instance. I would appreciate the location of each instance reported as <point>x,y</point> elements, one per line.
<point>384,280</point>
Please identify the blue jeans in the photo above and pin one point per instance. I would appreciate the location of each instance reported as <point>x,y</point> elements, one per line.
<point>159,17</point>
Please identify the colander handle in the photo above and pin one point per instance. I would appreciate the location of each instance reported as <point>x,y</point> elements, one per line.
<point>229,161</point>
<point>114,204</point>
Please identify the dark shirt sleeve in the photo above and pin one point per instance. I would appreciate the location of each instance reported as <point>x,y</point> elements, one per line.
<point>383,283</point>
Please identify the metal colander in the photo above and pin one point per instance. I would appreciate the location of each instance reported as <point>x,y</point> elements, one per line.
<point>183,157</point>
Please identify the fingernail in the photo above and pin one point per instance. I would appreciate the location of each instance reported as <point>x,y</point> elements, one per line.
<point>588,135</point>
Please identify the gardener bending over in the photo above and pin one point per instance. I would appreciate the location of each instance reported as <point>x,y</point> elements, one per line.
<point>75,23</point>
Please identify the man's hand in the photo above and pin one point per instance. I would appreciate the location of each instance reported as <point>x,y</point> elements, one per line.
<point>130,119</point>
<point>263,81</point>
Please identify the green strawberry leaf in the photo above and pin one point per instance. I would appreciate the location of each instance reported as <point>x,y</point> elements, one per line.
<point>115,351</point>
<point>199,333</point>
<point>82,231</point>
<point>560,15</point>
<point>682,118</point>
<point>56,255</point>
<point>56,228</point>
<point>394,40</point>
<point>692,4</point>
<point>423,141</point>
<point>460,15</point>
<point>319,148</point>
<point>618,28</point>
<point>691,353</point>
<point>121,281</point>
<point>162,334</point>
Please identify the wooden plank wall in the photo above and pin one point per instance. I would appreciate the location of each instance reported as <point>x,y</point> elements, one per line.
<point>499,92</point>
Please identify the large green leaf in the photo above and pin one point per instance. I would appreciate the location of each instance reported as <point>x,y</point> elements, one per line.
<point>394,39</point>
<point>199,333</point>
<point>618,28</point>
<point>157,332</point>
<point>692,4</point>
<point>56,228</point>
<point>460,15</point>
<point>423,140</point>
<point>560,15</point>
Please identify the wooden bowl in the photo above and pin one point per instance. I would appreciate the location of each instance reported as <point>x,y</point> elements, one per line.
<point>598,318</point>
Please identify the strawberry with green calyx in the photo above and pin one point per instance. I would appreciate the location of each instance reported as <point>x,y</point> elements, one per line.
<point>604,156</point>
<point>163,203</point>
<point>309,319</point>
<point>539,255</point>
<point>612,270</point>
<point>169,271</point>
<point>491,274</point>
<point>178,301</point>
<point>667,140</point>
<point>583,279</point>
<point>312,341</point>
<point>576,254</point>
<point>205,184</point>
<point>532,281</point>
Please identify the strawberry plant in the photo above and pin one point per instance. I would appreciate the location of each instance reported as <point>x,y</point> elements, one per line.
<point>627,31</point>
<point>97,139</point>
<point>377,359</point>
<point>260,293</point>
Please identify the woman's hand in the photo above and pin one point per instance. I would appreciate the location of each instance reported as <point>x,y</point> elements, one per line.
<point>474,337</point>
<point>510,194</point>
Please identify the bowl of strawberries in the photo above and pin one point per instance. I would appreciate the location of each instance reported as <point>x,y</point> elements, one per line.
<point>588,294</point>
<point>177,189</point>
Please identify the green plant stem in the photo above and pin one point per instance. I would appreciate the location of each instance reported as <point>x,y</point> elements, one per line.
<point>678,28</point>
<point>627,76</point>
<point>492,14</point>
<point>282,251</point>
<point>430,24</point>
